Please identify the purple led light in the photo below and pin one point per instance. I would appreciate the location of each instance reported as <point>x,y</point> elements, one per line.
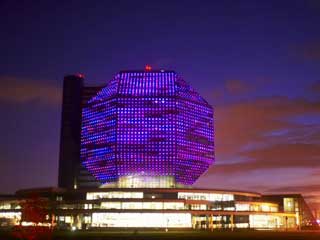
<point>147,123</point>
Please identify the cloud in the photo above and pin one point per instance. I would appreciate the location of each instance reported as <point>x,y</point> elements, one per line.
<point>317,173</point>
<point>231,88</point>
<point>17,90</point>
<point>237,87</point>
<point>315,87</point>
<point>297,189</point>
<point>267,138</point>
<point>308,50</point>
<point>254,124</point>
<point>312,51</point>
<point>286,155</point>
<point>274,157</point>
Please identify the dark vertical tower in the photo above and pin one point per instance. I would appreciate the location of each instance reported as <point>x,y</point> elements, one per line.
<point>75,96</point>
<point>69,159</point>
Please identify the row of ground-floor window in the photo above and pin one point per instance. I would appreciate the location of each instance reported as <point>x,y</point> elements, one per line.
<point>177,220</point>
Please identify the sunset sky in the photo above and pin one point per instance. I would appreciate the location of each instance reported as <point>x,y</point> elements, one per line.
<point>256,62</point>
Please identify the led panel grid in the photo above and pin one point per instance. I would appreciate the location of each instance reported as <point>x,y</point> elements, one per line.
<point>148,124</point>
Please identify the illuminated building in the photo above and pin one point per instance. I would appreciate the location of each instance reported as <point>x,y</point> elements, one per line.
<point>163,208</point>
<point>147,127</point>
<point>146,137</point>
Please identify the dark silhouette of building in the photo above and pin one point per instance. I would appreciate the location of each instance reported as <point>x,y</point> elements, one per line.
<point>75,96</point>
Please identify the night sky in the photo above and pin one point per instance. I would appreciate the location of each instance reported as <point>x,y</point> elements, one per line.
<point>256,62</point>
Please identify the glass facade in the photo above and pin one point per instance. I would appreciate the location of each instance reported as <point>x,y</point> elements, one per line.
<point>289,205</point>
<point>102,195</point>
<point>206,196</point>
<point>147,124</point>
<point>269,221</point>
<point>145,205</point>
<point>257,207</point>
<point>161,208</point>
<point>146,182</point>
<point>162,220</point>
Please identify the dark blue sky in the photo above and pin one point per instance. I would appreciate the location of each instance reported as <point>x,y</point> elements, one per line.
<point>256,62</point>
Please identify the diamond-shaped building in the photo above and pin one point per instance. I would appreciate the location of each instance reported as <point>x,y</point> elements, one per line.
<point>147,129</point>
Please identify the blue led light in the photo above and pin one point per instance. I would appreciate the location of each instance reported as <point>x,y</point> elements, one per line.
<point>147,122</point>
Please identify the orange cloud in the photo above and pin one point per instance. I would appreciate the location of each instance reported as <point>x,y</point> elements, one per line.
<point>307,51</point>
<point>297,189</point>
<point>243,124</point>
<point>312,51</point>
<point>274,157</point>
<point>18,90</point>
<point>316,87</point>
<point>235,87</point>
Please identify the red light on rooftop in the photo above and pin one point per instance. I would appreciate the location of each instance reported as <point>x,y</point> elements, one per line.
<point>148,67</point>
<point>80,75</point>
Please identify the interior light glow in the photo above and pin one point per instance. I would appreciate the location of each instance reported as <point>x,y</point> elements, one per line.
<point>113,194</point>
<point>162,220</point>
<point>206,196</point>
